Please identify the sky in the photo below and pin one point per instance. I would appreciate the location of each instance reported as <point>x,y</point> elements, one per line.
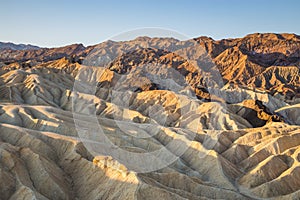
<point>52,23</point>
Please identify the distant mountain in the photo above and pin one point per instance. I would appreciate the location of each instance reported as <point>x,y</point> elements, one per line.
<point>40,54</point>
<point>12,46</point>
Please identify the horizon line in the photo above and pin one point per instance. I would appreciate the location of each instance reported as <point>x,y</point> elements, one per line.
<point>88,45</point>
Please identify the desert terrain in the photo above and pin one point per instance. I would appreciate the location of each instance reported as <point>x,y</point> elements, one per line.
<point>152,118</point>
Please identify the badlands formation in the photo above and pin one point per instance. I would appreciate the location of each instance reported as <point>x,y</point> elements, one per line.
<point>152,118</point>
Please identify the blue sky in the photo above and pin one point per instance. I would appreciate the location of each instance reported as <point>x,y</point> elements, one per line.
<point>61,22</point>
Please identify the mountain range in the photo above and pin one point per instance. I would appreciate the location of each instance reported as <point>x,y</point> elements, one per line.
<point>152,118</point>
<point>12,46</point>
